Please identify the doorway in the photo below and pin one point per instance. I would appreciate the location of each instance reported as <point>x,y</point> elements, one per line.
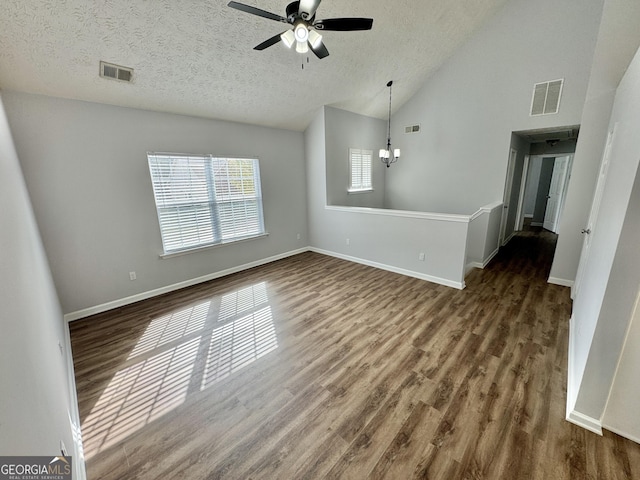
<point>545,187</point>
<point>537,179</point>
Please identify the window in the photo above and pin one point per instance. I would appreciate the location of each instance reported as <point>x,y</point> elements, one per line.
<point>360,163</point>
<point>203,200</point>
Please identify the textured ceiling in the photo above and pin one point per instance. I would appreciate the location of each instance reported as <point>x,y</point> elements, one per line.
<point>196,57</point>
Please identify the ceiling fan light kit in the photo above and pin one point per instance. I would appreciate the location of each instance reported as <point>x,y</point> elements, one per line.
<point>301,15</point>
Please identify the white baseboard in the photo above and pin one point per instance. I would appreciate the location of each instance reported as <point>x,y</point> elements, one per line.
<point>390,268</point>
<point>577,418</point>
<point>560,281</point>
<point>86,312</point>
<point>481,265</point>
<point>536,224</point>
<point>585,422</point>
<point>79,469</point>
<point>622,433</point>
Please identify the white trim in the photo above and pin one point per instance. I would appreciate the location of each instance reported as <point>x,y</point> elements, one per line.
<point>359,190</point>
<point>482,264</point>
<point>560,281</point>
<point>585,422</point>
<point>571,395</point>
<point>523,185</point>
<point>535,224</point>
<point>508,239</point>
<point>572,415</point>
<point>490,257</point>
<point>444,217</point>
<point>486,209</point>
<point>79,468</point>
<point>86,312</point>
<point>622,433</point>
<point>390,268</point>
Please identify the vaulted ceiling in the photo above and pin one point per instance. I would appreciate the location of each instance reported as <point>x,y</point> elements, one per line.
<point>196,57</point>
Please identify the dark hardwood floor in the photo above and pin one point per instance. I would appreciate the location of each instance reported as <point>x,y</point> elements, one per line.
<point>314,367</point>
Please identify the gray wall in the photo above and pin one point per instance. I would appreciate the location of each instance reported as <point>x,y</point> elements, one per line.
<point>531,189</point>
<point>36,399</point>
<point>469,108</point>
<point>381,238</point>
<point>346,130</point>
<point>86,170</point>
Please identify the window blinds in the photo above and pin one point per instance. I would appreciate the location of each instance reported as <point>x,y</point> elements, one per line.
<point>205,200</point>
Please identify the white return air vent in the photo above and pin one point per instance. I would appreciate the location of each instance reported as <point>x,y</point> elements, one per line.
<point>412,129</point>
<point>116,72</point>
<point>546,97</point>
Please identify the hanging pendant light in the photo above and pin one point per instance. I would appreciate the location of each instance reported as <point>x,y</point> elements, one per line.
<point>387,155</point>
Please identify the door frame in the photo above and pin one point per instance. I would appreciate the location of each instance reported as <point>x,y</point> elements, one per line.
<point>508,187</point>
<point>587,232</point>
<point>523,185</point>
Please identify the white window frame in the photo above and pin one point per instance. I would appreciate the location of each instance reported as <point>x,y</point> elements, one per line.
<point>360,173</point>
<point>204,201</point>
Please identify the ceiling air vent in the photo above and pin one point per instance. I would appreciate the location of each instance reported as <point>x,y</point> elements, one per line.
<point>412,129</point>
<point>116,72</point>
<point>546,97</point>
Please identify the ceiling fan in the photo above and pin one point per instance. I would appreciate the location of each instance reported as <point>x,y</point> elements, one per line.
<point>302,16</point>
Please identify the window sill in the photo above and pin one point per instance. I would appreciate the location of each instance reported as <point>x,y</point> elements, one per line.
<point>355,192</point>
<point>187,251</point>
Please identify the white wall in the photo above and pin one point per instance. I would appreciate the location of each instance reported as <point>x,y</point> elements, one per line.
<point>603,305</point>
<point>36,400</point>
<point>620,415</point>
<point>469,108</point>
<point>86,169</point>
<point>483,236</point>
<point>346,130</point>
<point>618,40</point>
<point>624,286</point>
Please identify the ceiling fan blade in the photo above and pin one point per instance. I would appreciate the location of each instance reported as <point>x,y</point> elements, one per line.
<point>307,8</point>
<point>320,51</point>
<point>267,43</point>
<point>257,11</point>
<point>344,24</point>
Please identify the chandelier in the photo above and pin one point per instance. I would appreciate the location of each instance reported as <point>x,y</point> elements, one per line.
<point>387,155</point>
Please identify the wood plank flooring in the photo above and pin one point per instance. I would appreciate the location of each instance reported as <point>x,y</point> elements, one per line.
<point>313,367</point>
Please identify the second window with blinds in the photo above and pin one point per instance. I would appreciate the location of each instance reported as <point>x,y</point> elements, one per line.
<point>360,170</point>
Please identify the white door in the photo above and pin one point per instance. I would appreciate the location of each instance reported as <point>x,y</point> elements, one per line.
<point>593,214</point>
<point>507,195</point>
<point>556,190</point>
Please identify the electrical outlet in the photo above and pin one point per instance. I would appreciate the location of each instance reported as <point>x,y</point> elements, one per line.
<point>348,241</point>
<point>132,275</point>
<point>298,236</point>
<point>421,257</point>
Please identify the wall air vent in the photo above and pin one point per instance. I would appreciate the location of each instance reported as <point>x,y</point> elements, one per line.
<point>116,72</point>
<point>412,129</point>
<point>546,97</point>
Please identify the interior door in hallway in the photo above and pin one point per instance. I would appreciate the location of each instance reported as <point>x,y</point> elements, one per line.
<point>556,193</point>
<point>593,213</point>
